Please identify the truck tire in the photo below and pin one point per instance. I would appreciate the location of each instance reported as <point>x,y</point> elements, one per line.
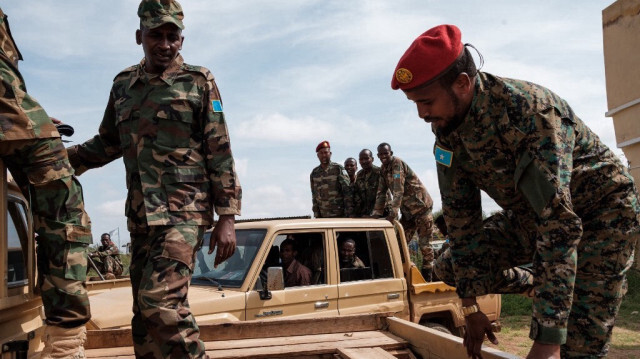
<point>437,326</point>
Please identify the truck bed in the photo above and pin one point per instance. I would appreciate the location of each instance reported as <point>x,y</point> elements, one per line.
<point>369,336</point>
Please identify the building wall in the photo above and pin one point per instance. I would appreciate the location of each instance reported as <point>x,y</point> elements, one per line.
<point>621,37</point>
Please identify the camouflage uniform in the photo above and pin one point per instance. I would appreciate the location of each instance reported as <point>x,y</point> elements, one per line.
<point>411,199</point>
<point>365,190</point>
<point>172,135</point>
<point>574,207</point>
<point>331,192</point>
<point>109,259</point>
<point>33,152</point>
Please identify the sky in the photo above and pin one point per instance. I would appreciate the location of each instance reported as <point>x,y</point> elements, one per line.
<point>295,73</point>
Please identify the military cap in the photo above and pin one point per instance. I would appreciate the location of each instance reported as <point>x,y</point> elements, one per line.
<point>154,13</point>
<point>323,144</point>
<point>429,55</point>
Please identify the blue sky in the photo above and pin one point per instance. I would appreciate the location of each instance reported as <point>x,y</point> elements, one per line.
<point>294,73</point>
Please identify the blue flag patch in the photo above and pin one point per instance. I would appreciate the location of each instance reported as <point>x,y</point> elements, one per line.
<point>217,105</point>
<point>443,156</point>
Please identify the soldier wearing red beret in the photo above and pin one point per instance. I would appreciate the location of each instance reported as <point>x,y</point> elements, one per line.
<point>569,204</point>
<point>330,186</point>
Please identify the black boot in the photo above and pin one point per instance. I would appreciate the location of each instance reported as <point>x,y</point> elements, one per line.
<point>427,274</point>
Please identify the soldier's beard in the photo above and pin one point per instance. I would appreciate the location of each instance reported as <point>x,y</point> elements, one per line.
<point>454,121</point>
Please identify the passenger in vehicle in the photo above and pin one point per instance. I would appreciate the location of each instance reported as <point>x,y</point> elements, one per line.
<point>348,257</point>
<point>295,273</point>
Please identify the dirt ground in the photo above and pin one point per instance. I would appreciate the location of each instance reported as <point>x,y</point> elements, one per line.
<point>514,337</point>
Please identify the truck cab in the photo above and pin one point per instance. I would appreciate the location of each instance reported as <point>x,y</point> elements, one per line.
<point>238,290</point>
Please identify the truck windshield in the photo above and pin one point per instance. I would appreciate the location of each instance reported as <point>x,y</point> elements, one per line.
<point>233,271</point>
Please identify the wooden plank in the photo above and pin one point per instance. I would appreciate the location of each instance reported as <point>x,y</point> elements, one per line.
<point>364,353</point>
<point>287,327</point>
<point>108,338</point>
<point>293,351</point>
<point>402,354</point>
<point>430,343</point>
<point>298,339</point>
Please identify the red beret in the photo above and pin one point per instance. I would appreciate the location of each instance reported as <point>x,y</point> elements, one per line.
<point>429,55</point>
<point>322,145</point>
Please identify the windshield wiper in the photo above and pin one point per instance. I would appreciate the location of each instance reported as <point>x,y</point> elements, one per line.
<point>211,280</point>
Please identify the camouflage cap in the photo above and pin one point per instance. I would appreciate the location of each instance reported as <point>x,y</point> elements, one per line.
<point>154,13</point>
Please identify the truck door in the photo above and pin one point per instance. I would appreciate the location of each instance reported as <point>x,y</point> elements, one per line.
<point>317,296</point>
<point>20,308</point>
<point>367,280</point>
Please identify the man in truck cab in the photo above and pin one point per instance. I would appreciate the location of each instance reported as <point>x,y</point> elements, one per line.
<point>574,204</point>
<point>295,273</point>
<point>165,119</point>
<point>348,257</point>
<point>31,149</point>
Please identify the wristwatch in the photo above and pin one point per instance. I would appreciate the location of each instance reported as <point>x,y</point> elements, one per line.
<point>466,311</point>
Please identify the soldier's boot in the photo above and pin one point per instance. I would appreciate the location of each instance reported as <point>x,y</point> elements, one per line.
<point>427,273</point>
<point>427,264</point>
<point>64,343</point>
<point>109,275</point>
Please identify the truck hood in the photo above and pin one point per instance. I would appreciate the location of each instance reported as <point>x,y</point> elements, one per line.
<point>113,309</point>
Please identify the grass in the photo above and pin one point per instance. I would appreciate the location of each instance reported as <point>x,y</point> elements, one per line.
<point>625,342</point>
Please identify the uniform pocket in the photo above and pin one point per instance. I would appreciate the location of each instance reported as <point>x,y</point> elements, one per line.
<point>75,261</point>
<point>175,125</point>
<point>187,189</point>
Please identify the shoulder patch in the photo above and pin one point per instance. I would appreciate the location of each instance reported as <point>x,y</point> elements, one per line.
<point>443,157</point>
<point>198,69</point>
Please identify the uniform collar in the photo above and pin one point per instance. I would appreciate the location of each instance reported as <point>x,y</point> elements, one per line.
<point>168,76</point>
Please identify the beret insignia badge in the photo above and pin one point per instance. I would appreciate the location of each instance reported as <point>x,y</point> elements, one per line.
<point>404,76</point>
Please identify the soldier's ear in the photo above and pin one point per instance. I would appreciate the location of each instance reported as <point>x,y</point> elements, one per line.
<point>138,37</point>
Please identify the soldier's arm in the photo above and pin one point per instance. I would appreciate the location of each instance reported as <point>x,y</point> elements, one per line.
<point>398,176</point>
<point>543,176</point>
<point>381,197</point>
<point>102,148</point>
<point>347,194</point>
<point>357,201</point>
<point>225,186</point>
<point>314,207</point>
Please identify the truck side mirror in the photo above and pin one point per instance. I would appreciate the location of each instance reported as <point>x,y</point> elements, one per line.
<point>275,281</point>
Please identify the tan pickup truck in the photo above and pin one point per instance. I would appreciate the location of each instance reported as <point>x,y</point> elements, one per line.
<point>236,290</point>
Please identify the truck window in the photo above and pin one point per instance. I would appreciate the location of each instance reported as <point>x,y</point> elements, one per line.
<point>17,244</point>
<point>363,255</point>
<point>309,252</point>
<point>233,271</point>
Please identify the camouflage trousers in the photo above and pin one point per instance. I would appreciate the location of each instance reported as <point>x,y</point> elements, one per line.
<point>108,264</point>
<point>605,253</point>
<point>42,170</point>
<point>422,223</point>
<point>162,261</point>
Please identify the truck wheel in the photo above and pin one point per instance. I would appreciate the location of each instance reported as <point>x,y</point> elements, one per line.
<point>437,326</point>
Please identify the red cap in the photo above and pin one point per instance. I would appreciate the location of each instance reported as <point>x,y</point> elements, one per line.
<point>429,55</point>
<point>322,145</point>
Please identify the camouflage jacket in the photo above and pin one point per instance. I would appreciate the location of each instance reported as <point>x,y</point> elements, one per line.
<point>171,132</point>
<point>524,146</point>
<point>365,190</point>
<point>409,196</point>
<point>331,192</point>
<point>22,117</point>
<point>109,250</point>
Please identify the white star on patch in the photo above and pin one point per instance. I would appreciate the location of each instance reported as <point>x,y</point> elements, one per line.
<point>442,157</point>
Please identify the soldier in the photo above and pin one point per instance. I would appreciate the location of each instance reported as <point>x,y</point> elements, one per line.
<point>165,119</point>
<point>330,189</point>
<point>574,207</point>
<point>347,254</point>
<point>366,186</point>
<point>31,149</point>
<point>351,166</point>
<point>295,273</point>
<point>109,262</point>
<point>409,198</point>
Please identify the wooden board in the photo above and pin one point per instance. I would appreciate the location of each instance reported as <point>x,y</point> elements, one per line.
<point>364,353</point>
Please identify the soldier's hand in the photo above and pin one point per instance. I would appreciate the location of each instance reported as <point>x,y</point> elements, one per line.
<point>223,237</point>
<point>477,325</point>
<point>391,218</point>
<point>544,351</point>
